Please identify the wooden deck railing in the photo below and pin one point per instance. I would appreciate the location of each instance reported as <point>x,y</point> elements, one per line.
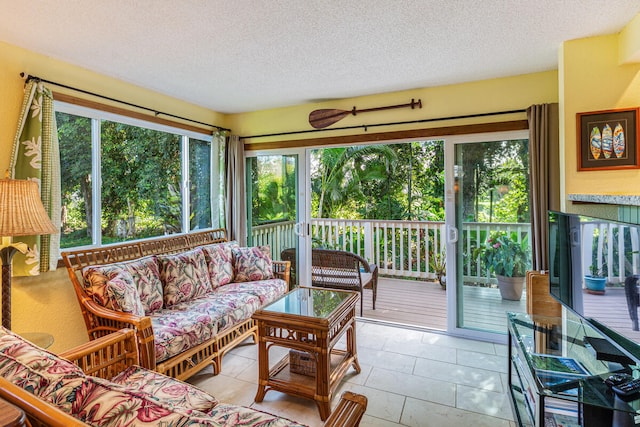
<point>405,249</point>
<point>399,248</point>
<point>612,248</point>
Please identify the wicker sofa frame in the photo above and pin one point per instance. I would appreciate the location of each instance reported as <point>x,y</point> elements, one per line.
<point>111,354</point>
<point>101,321</point>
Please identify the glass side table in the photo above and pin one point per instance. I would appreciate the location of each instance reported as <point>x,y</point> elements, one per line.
<point>308,321</point>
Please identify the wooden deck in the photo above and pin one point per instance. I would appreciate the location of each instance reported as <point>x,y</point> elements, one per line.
<point>408,302</point>
<point>612,309</point>
<point>424,304</point>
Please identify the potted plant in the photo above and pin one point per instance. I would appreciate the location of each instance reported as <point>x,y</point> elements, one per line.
<point>596,281</point>
<point>508,260</point>
<point>439,266</point>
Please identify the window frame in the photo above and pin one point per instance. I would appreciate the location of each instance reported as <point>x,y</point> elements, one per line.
<point>97,116</point>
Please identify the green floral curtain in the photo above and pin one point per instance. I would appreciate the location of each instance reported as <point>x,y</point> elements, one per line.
<point>35,156</point>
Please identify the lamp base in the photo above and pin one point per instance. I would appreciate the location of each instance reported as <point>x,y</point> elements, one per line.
<point>6,254</point>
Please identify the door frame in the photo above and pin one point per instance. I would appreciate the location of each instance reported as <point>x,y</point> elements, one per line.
<point>450,143</point>
<point>303,213</point>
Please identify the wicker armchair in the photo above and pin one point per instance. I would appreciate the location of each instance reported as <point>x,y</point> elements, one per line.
<point>339,270</point>
<point>633,299</point>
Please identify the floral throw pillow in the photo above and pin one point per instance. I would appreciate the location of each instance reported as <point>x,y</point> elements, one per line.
<point>252,263</point>
<point>184,276</point>
<point>112,286</point>
<point>219,263</point>
<point>122,292</point>
<point>146,276</point>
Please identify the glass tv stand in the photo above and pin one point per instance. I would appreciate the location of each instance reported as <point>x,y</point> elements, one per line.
<point>557,368</point>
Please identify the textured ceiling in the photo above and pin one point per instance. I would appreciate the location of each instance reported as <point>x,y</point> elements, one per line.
<point>247,55</point>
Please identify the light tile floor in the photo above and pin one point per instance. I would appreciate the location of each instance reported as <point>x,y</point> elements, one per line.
<point>411,378</point>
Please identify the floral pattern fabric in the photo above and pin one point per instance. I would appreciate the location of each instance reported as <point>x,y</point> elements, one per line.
<point>267,290</point>
<point>165,389</point>
<point>219,259</point>
<point>31,367</point>
<point>35,156</point>
<point>234,415</point>
<point>184,276</point>
<point>112,286</point>
<point>176,292</point>
<point>136,397</point>
<point>100,403</point>
<point>251,264</point>
<point>190,323</point>
<point>146,276</point>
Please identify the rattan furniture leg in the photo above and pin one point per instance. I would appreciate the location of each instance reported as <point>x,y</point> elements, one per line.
<point>309,320</point>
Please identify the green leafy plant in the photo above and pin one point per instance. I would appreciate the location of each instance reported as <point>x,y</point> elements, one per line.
<point>505,256</point>
<point>439,266</point>
<point>597,272</point>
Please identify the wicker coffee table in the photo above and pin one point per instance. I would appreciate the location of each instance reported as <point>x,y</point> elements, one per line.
<point>309,322</point>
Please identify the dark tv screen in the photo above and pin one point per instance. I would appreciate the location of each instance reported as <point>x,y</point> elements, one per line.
<point>580,246</point>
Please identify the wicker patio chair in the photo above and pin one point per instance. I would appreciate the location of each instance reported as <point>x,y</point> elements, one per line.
<point>633,299</point>
<point>340,270</point>
<point>290,255</point>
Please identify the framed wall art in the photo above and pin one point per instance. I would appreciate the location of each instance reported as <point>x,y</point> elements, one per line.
<point>608,140</point>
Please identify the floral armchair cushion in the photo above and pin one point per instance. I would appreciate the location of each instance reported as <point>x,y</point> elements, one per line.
<point>112,286</point>
<point>219,263</point>
<point>252,263</point>
<point>100,403</point>
<point>234,415</point>
<point>166,389</point>
<point>184,276</point>
<point>31,367</point>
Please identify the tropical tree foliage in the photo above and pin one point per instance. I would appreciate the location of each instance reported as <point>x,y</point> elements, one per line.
<point>395,181</point>
<point>338,173</point>
<point>272,183</point>
<point>494,180</point>
<point>402,181</point>
<point>141,192</point>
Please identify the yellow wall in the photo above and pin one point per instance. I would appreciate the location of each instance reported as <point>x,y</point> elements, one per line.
<point>47,303</point>
<point>504,94</point>
<point>593,79</point>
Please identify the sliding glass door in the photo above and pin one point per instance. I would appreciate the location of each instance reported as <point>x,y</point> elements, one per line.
<point>275,184</point>
<point>487,204</point>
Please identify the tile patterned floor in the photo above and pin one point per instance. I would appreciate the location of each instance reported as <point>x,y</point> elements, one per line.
<point>411,378</point>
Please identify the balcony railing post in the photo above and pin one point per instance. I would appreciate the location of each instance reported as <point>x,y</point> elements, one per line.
<point>368,241</point>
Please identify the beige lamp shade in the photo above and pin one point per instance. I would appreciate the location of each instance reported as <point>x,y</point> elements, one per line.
<point>21,209</point>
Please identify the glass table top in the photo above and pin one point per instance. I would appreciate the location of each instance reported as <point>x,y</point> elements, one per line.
<point>310,302</point>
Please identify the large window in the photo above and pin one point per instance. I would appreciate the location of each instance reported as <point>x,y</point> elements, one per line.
<point>126,179</point>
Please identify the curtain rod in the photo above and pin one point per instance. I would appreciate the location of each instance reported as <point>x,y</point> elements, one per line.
<point>155,112</point>
<point>468,116</point>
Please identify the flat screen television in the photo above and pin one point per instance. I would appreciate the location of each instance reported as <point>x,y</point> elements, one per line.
<point>581,245</point>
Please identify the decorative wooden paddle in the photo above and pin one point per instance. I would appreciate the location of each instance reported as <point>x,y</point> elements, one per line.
<point>322,118</point>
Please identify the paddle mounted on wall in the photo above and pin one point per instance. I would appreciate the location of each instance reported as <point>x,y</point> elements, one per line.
<point>322,118</point>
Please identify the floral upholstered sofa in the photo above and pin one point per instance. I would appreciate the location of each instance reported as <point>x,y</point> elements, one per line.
<point>189,297</point>
<point>99,384</point>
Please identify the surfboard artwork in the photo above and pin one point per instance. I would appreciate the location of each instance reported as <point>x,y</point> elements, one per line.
<point>596,143</point>
<point>618,141</point>
<point>607,141</point>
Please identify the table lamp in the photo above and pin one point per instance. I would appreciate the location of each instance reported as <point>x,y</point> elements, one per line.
<point>21,214</point>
